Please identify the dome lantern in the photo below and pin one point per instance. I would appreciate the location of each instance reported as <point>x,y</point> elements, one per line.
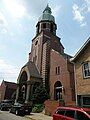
<point>46,22</point>
<point>47,15</point>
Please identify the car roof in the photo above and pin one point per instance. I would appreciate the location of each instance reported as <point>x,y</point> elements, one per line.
<point>74,108</point>
<point>84,110</point>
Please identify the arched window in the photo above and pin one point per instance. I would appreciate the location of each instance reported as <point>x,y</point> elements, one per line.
<point>51,27</point>
<point>44,25</point>
<point>58,90</point>
<point>23,86</point>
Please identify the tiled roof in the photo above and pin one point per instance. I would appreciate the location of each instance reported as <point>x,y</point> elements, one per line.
<point>32,69</point>
<point>10,84</point>
<point>66,56</point>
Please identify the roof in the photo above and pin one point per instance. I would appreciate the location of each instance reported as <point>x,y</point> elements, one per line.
<point>75,108</point>
<point>47,15</point>
<point>11,85</point>
<point>66,56</point>
<point>32,69</point>
<point>86,44</point>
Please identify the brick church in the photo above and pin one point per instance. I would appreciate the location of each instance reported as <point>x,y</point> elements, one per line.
<point>47,64</point>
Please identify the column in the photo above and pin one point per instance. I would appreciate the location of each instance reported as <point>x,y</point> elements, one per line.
<point>17,94</point>
<point>28,93</point>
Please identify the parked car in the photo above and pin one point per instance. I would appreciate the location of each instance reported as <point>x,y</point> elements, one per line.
<point>6,104</point>
<point>71,113</point>
<point>20,109</point>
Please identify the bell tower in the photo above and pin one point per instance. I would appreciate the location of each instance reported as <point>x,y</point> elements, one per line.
<point>43,42</point>
<point>46,22</point>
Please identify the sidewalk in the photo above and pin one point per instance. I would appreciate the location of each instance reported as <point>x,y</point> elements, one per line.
<point>38,116</point>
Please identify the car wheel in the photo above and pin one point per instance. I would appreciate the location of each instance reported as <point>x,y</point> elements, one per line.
<point>16,112</point>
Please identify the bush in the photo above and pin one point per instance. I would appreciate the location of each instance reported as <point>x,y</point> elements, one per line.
<point>38,108</point>
<point>40,95</point>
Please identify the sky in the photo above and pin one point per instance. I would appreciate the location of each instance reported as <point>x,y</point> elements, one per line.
<point>18,19</point>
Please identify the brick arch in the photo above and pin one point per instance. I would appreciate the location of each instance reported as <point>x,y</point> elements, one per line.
<point>23,77</point>
<point>58,90</point>
<point>23,86</point>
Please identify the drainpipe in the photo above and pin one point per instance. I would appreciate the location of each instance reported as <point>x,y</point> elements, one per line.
<point>75,84</point>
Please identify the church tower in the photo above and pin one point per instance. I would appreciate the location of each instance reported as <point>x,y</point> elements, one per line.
<point>46,22</point>
<point>47,64</point>
<point>44,41</point>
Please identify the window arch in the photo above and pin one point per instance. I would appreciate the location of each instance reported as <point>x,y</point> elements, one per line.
<point>23,86</point>
<point>58,90</point>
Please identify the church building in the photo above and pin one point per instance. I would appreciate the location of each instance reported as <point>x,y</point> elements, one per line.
<point>47,64</point>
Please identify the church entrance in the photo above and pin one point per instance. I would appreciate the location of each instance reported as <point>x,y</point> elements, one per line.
<point>58,90</point>
<point>22,87</point>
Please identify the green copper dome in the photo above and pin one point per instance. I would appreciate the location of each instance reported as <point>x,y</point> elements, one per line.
<point>47,15</point>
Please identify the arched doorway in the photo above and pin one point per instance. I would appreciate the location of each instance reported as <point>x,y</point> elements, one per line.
<point>58,90</point>
<point>22,87</point>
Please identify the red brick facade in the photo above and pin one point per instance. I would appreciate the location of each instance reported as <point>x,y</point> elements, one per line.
<point>7,89</point>
<point>65,78</point>
<point>52,64</point>
<point>50,107</point>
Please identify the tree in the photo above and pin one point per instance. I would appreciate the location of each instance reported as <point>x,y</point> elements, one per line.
<point>40,95</point>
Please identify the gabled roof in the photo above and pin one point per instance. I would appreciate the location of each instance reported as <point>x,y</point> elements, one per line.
<point>32,69</point>
<point>86,44</point>
<point>11,85</point>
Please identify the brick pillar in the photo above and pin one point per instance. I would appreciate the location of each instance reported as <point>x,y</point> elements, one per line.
<point>28,93</point>
<point>17,94</point>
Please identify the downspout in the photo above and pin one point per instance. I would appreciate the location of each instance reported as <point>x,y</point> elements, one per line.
<point>75,85</point>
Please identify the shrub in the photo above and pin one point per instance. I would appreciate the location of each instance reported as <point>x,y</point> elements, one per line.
<point>40,95</point>
<point>38,108</point>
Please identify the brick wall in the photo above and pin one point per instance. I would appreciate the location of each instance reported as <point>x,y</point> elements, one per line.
<point>50,107</point>
<point>83,85</point>
<point>64,77</point>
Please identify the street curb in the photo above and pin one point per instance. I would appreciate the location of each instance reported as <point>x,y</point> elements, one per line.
<point>30,118</point>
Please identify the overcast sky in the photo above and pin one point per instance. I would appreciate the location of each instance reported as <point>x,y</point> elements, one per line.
<point>18,19</point>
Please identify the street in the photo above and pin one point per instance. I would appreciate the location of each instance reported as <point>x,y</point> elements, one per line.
<point>5,115</point>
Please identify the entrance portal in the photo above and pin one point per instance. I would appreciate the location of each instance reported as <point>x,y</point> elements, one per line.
<point>58,90</point>
<point>23,87</point>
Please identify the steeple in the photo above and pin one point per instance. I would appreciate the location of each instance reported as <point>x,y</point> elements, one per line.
<point>47,9</point>
<point>47,15</point>
<point>46,21</point>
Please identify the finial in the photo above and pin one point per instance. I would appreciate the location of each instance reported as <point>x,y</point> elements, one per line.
<point>47,4</point>
<point>47,9</point>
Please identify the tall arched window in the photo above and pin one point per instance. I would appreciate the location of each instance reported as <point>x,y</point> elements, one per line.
<point>58,90</point>
<point>23,86</point>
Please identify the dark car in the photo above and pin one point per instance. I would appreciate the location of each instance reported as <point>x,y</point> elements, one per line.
<point>71,113</point>
<point>20,109</point>
<point>6,104</point>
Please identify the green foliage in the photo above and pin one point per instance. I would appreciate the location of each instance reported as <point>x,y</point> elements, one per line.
<point>40,95</point>
<point>38,108</point>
